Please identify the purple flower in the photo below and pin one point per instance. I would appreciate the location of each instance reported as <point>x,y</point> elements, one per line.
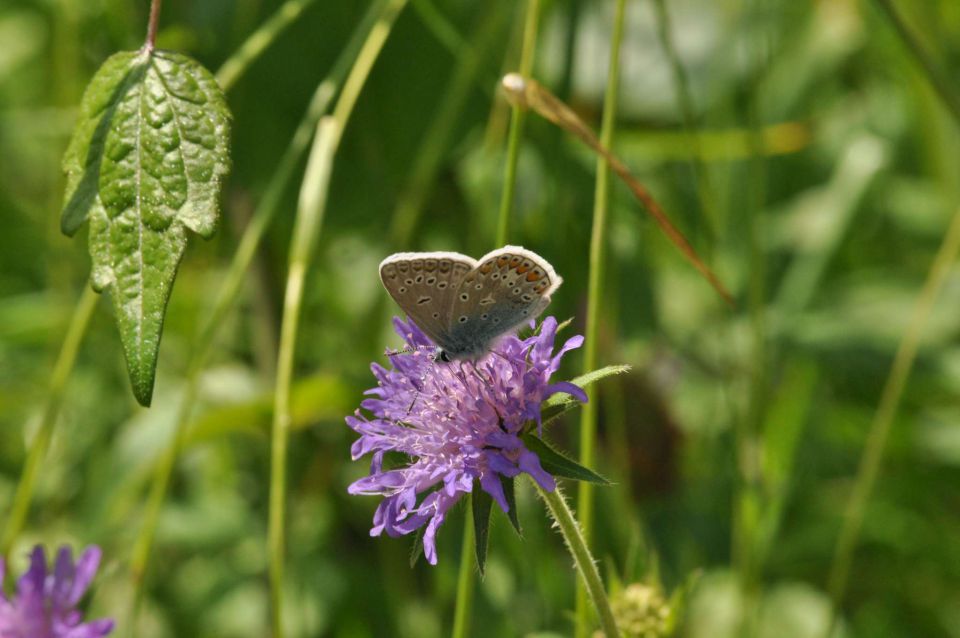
<point>457,422</point>
<point>45,605</point>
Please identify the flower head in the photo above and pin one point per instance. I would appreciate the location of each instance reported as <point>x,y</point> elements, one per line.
<point>45,605</point>
<point>458,423</point>
<point>641,611</point>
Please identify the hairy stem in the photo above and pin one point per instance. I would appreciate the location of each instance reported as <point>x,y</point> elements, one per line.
<point>586,567</point>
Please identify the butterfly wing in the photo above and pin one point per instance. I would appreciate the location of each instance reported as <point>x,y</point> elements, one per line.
<point>423,285</point>
<point>508,287</point>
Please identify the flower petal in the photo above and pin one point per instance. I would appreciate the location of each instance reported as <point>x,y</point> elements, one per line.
<point>565,386</point>
<point>86,569</point>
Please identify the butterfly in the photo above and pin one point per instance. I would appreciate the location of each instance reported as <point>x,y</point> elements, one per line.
<point>464,304</point>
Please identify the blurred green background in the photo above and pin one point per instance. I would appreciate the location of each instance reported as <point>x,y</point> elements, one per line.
<point>819,185</point>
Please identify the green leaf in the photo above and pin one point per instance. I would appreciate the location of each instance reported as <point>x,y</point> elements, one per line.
<point>145,164</point>
<point>510,496</point>
<point>559,465</point>
<point>481,525</point>
<point>561,403</point>
<point>416,549</point>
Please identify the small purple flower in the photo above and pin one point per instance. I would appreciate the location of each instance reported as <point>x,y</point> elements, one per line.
<point>457,422</point>
<point>45,605</point>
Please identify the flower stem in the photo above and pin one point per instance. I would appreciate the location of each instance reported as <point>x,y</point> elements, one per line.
<point>310,210</point>
<point>517,118</point>
<point>154,20</point>
<point>41,441</point>
<point>886,411</point>
<point>258,41</point>
<point>465,579</point>
<point>582,559</point>
<point>601,204</point>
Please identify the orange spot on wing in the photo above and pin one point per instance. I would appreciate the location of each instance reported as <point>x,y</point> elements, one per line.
<point>533,276</point>
<point>522,269</point>
<point>503,261</point>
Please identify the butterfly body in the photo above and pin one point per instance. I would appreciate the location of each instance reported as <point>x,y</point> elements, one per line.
<point>464,304</point>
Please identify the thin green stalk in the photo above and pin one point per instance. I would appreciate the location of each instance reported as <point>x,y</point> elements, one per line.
<point>465,579</point>
<point>938,80</point>
<point>228,291</point>
<point>747,431</point>
<point>310,209</point>
<point>883,419</point>
<point>586,566</point>
<point>41,441</point>
<point>598,241</point>
<point>518,117</point>
<point>258,41</point>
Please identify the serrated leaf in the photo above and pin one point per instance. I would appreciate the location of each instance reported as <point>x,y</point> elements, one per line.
<point>560,403</point>
<point>481,504</point>
<point>144,165</point>
<point>558,464</point>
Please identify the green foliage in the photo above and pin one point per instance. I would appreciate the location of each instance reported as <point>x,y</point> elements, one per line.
<point>829,204</point>
<point>144,166</point>
<point>559,464</point>
<point>481,503</point>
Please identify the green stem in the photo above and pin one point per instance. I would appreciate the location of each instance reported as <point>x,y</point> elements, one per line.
<point>306,227</point>
<point>883,420</point>
<point>241,59</point>
<point>310,209</point>
<point>38,447</point>
<point>747,431</point>
<point>465,579</point>
<point>228,291</point>
<point>586,567</point>
<point>601,205</point>
<point>517,118</point>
